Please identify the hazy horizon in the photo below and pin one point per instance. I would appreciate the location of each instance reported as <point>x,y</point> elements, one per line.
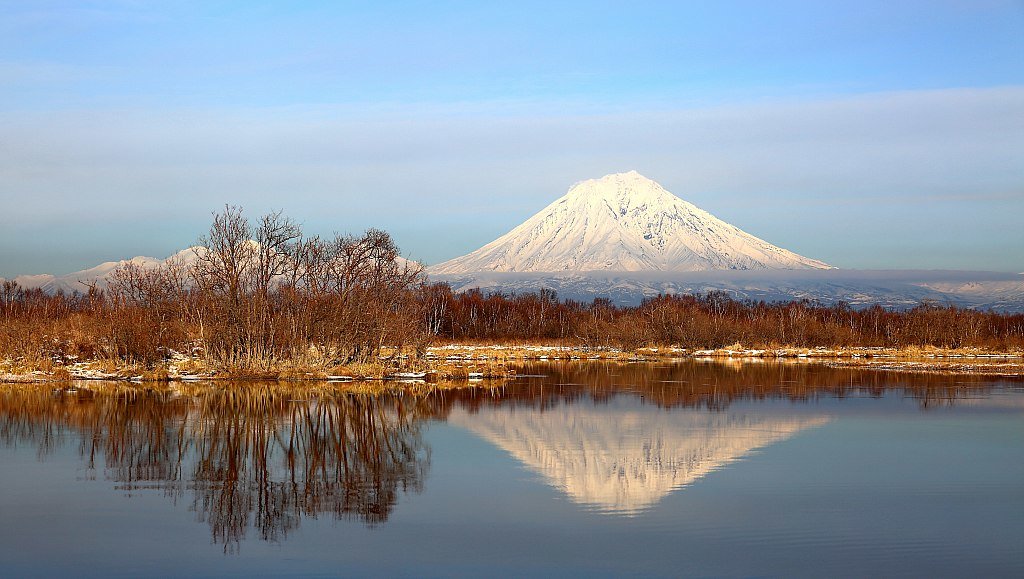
<point>868,136</point>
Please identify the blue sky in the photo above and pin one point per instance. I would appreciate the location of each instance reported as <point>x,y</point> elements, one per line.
<point>865,134</point>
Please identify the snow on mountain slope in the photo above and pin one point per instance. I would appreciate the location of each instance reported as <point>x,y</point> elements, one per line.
<point>44,281</point>
<point>102,274</point>
<point>624,222</point>
<point>105,269</point>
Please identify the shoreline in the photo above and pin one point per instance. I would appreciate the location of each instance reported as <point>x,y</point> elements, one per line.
<point>473,363</point>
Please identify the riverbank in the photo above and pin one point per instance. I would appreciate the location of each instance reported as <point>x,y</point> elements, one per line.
<point>912,359</point>
<point>473,362</point>
<point>972,361</point>
<point>396,367</point>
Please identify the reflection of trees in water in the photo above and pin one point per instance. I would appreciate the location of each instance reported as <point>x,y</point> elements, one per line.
<point>279,461</point>
<point>716,385</point>
<point>265,456</point>
<point>247,455</point>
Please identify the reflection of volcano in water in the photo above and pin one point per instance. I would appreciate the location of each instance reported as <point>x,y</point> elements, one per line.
<point>621,458</point>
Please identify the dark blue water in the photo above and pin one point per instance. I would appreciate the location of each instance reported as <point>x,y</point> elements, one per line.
<point>594,469</point>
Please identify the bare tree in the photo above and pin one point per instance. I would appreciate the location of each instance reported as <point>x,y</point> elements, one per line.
<point>278,241</point>
<point>225,255</point>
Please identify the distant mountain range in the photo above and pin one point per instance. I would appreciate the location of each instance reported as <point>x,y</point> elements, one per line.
<point>900,289</point>
<point>624,237</point>
<point>100,275</point>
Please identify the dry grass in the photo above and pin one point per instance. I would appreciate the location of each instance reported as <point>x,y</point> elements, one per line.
<point>463,362</point>
<point>520,352</point>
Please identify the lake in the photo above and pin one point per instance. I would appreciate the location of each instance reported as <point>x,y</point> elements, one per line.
<point>599,469</point>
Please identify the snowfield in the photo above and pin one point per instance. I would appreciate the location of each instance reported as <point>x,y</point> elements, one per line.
<point>899,289</point>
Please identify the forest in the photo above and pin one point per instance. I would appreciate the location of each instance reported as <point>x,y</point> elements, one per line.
<point>260,296</point>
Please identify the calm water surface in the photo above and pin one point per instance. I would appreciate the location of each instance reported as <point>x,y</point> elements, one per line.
<point>586,469</point>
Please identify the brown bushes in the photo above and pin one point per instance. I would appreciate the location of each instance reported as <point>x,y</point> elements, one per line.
<point>345,318</point>
<point>716,320</point>
<point>252,300</point>
<point>259,299</point>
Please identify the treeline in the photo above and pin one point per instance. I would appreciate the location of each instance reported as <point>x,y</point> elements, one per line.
<point>260,296</point>
<point>713,320</point>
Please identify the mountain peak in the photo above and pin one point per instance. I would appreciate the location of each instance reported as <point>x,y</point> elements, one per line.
<point>624,222</point>
<point>629,183</point>
<point>625,177</point>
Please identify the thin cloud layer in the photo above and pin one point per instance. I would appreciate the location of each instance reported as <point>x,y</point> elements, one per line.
<point>469,173</point>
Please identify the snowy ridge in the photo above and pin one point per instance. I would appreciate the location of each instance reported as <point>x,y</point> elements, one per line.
<point>625,222</point>
<point>99,275</point>
<point>102,274</point>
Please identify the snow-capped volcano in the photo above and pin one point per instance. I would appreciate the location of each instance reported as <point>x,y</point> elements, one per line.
<point>624,222</point>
